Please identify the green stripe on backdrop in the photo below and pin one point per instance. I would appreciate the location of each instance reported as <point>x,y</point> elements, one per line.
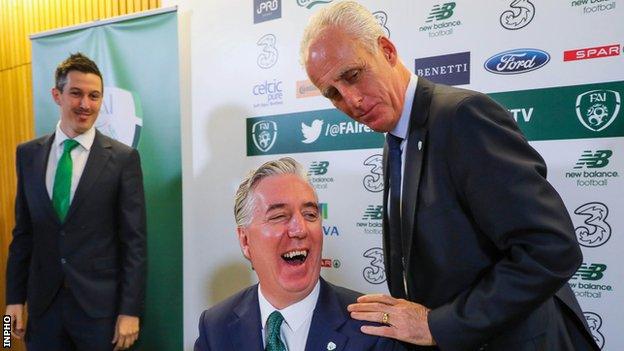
<point>139,61</point>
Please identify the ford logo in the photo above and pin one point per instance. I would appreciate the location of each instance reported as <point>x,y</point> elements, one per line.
<point>517,61</point>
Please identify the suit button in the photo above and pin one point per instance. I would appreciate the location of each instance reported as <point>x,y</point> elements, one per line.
<point>63,261</point>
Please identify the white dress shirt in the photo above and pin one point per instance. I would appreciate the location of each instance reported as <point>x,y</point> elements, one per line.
<point>297,319</point>
<point>79,156</point>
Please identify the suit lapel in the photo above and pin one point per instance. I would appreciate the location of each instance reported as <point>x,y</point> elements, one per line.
<point>245,329</point>
<point>328,317</point>
<point>98,156</point>
<point>416,144</point>
<point>40,167</point>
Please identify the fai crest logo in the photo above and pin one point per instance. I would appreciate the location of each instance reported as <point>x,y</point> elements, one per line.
<point>597,109</point>
<point>520,14</point>
<point>120,116</point>
<point>382,19</point>
<point>373,181</point>
<point>312,132</point>
<point>269,54</point>
<point>264,134</point>
<point>594,321</point>
<point>374,273</point>
<point>596,230</point>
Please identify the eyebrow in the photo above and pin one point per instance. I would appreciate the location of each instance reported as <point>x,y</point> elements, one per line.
<point>283,205</point>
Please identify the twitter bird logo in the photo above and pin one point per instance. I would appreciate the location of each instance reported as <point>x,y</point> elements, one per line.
<point>312,132</point>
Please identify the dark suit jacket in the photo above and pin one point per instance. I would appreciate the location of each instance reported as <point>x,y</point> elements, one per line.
<point>487,240</point>
<point>99,251</point>
<point>234,324</point>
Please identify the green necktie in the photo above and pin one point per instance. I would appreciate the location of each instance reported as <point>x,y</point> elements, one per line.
<point>62,180</point>
<point>274,343</point>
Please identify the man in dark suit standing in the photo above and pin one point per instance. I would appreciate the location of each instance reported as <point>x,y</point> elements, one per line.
<point>478,245</point>
<point>279,232</point>
<point>78,255</point>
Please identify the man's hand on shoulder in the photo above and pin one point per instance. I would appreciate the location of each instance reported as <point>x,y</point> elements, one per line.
<point>126,332</point>
<point>16,311</point>
<point>405,320</point>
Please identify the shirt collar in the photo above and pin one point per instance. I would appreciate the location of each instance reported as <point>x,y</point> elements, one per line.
<point>294,315</point>
<point>85,139</point>
<point>400,130</point>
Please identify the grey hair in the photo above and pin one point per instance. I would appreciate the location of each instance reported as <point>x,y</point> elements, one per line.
<point>349,16</point>
<point>244,199</point>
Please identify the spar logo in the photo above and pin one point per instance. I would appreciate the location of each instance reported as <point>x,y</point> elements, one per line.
<point>517,61</point>
<point>330,263</point>
<point>264,134</point>
<point>266,10</point>
<point>374,272</point>
<point>382,19</point>
<point>520,13</point>
<point>592,53</point>
<point>439,22</point>
<point>371,221</point>
<point>317,174</point>
<point>311,132</point>
<point>373,181</point>
<point>311,3</point>
<point>121,116</point>
<point>597,109</point>
<point>594,321</point>
<point>595,230</point>
<point>268,54</point>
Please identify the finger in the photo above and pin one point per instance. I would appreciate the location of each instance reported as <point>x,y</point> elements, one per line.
<point>368,316</point>
<point>126,342</point>
<point>368,307</point>
<point>381,298</point>
<point>115,337</point>
<point>387,332</point>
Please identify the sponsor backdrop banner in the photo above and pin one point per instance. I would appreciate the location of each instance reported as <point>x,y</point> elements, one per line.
<point>141,109</point>
<point>557,66</point>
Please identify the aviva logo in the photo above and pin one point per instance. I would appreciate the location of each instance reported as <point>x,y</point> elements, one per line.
<point>594,271</point>
<point>323,209</point>
<point>597,159</point>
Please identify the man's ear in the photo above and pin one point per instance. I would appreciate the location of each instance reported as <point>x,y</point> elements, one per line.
<point>388,49</point>
<point>56,95</point>
<point>243,241</point>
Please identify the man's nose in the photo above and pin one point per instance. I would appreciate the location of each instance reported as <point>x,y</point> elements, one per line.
<point>297,227</point>
<point>352,97</point>
<point>84,102</point>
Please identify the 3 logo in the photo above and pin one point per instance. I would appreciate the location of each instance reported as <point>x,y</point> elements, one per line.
<point>594,321</point>
<point>374,273</point>
<point>264,134</point>
<point>595,231</point>
<point>373,181</point>
<point>382,19</point>
<point>517,61</point>
<point>269,54</point>
<point>597,109</point>
<point>520,14</point>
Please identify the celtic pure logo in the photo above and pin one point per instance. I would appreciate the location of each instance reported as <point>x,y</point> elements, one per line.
<point>309,3</point>
<point>375,273</point>
<point>520,14</point>
<point>373,181</point>
<point>382,19</point>
<point>597,109</point>
<point>598,159</point>
<point>595,323</point>
<point>268,56</point>
<point>264,134</point>
<point>311,132</point>
<point>441,12</point>
<point>597,231</point>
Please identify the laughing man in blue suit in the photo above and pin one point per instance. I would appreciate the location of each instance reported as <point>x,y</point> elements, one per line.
<point>292,308</point>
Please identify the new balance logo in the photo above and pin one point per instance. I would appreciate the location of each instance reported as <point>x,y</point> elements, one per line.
<point>373,213</point>
<point>441,12</point>
<point>318,168</point>
<point>597,159</point>
<point>594,271</point>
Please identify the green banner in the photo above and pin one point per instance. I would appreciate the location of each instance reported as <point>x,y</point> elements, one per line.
<point>322,130</point>
<point>572,112</point>
<point>138,58</point>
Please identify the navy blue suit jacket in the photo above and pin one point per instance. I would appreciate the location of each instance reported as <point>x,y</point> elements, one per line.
<point>234,324</point>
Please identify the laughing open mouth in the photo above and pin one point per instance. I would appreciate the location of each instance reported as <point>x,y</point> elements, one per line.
<point>295,257</point>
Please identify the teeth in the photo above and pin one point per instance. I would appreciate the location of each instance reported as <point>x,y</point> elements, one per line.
<point>292,254</point>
